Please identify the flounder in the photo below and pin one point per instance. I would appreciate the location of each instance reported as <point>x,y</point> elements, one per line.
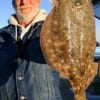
<point>68,42</point>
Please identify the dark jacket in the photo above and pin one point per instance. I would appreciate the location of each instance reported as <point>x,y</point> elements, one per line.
<point>24,75</point>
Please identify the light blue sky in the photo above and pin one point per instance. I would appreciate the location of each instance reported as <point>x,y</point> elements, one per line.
<point>6,10</point>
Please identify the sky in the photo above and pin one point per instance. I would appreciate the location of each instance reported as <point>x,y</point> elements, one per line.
<point>6,10</point>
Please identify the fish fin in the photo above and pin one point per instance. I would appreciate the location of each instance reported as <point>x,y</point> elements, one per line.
<point>54,2</point>
<point>45,36</point>
<point>45,33</point>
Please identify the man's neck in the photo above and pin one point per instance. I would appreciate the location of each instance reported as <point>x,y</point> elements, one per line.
<point>25,24</point>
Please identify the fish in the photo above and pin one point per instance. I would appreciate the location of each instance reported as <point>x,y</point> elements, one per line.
<point>68,42</point>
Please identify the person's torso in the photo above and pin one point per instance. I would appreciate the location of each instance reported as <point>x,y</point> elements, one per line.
<point>23,70</point>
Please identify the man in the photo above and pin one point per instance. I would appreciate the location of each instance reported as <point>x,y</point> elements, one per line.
<point>24,75</point>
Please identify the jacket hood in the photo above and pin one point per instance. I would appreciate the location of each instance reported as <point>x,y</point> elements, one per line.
<point>13,21</point>
<point>40,17</point>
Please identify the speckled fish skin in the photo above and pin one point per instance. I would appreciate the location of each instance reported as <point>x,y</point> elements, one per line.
<point>68,41</point>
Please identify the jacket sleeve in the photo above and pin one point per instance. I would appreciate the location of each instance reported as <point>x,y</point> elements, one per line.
<point>7,56</point>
